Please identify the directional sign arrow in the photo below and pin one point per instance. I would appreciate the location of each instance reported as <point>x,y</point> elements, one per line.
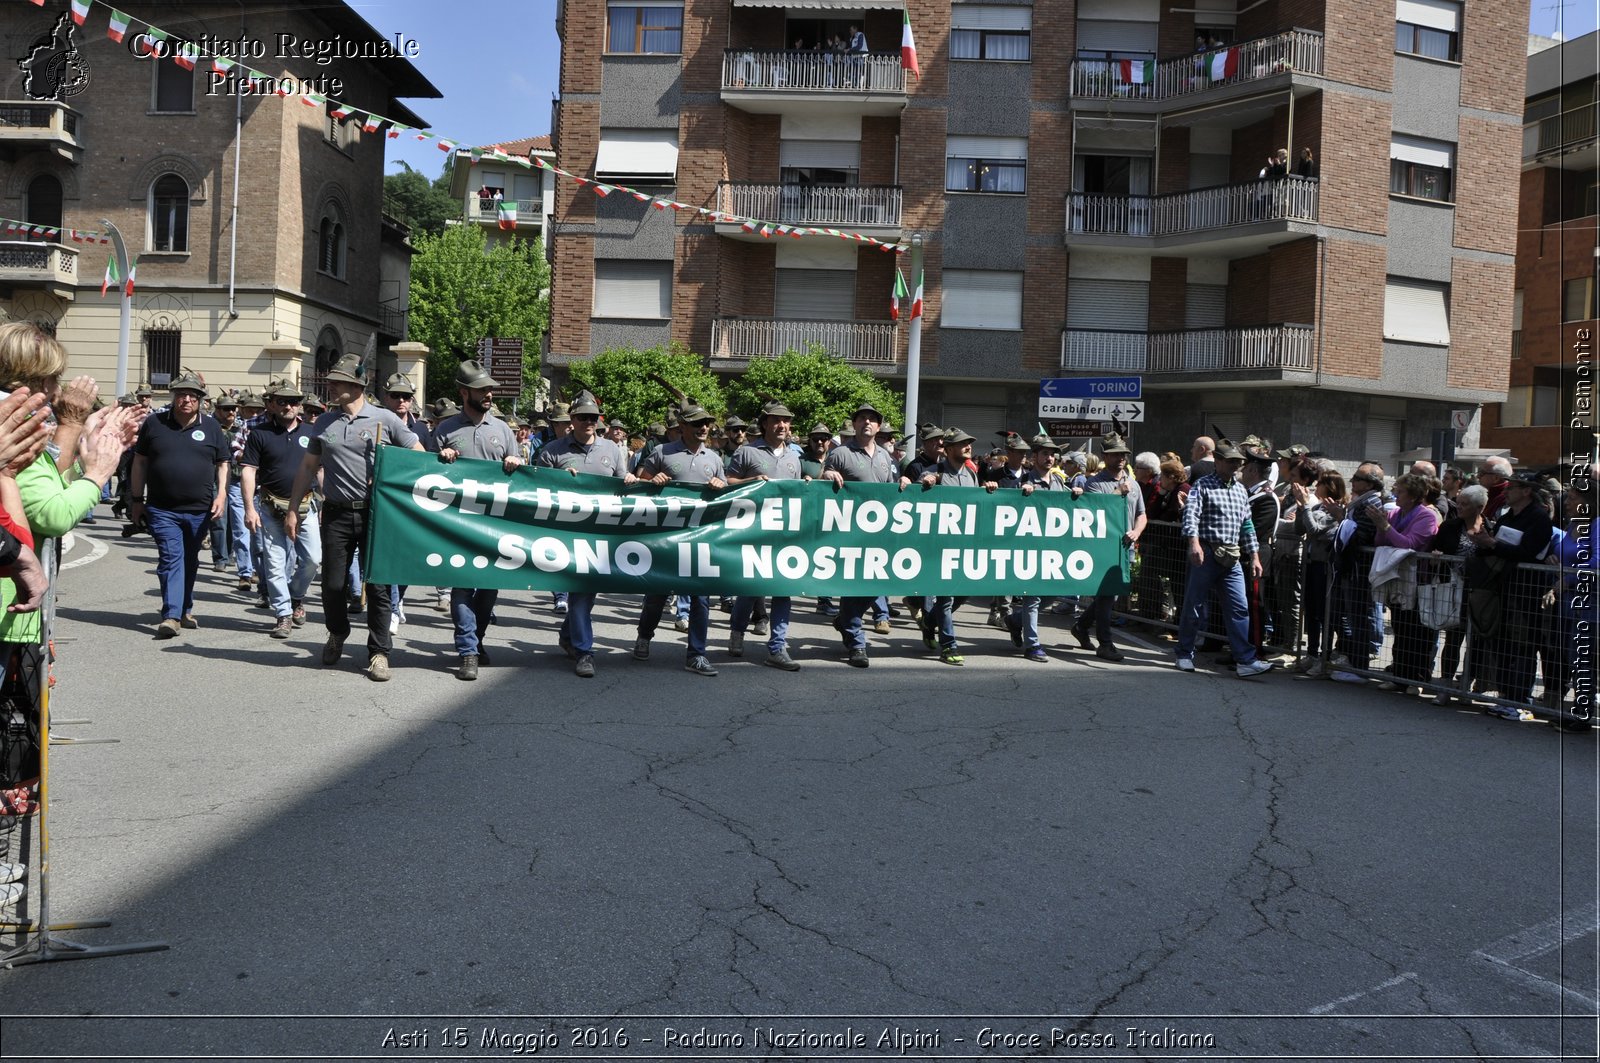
<point>1134,413</point>
<point>1048,388</point>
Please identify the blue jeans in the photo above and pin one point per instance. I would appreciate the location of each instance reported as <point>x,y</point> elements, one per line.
<point>848,623</point>
<point>578,627</point>
<point>471,610</point>
<point>287,569</point>
<point>699,619</point>
<point>778,637</point>
<point>1230,582</point>
<point>239,538</point>
<point>1025,614</point>
<point>177,537</point>
<point>941,617</point>
<point>1361,613</point>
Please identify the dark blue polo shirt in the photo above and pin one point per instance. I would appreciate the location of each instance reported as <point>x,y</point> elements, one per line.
<point>276,453</point>
<point>182,471</point>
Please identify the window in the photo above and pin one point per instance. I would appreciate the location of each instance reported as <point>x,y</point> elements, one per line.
<point>1421,168</point>
<point>990,32</point>
<point>1429,28</point>
<point>986,164</point>
<point>44,202</point>
<point>625,288</point>
<point>324,357</point>
<point>1578,299</point>
<point>981,298</point>
<point>330,243</point>
<point>1530,407</point>
<point>163,353</point>
<point>1416,311</point>
<point>637,155</point>
<point>174,86</point>
<point>169,214</point>
<point>341,133</point>
<point>1516,324</point>
<point>644,28</point>
<point>815,295</point>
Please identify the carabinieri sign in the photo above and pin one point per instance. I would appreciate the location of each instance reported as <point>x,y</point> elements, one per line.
<point>468,524</point>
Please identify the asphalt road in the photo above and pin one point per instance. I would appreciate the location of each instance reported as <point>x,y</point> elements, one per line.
<point>1079,859</point>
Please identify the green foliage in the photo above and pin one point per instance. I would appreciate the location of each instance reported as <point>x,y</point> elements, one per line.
<point>814,384</point>
<point>620,378</point>
<point>413,200</point>
<point>463,290</point>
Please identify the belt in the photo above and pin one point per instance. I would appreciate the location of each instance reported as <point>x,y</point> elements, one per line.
<point>358,504</point>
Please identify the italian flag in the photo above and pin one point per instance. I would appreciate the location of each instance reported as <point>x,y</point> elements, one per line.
<point>133,268</point>
<point>221,65</point>
<point>916,299</point>
<point>152,38</point>
<point>113,276</point>
<point>371,124</point>
<point>908,47</point>
<point>507,214</point>
<point>185,55</point>
<point>899,294</point>
<point>1224,64</point>
<point>1137,71</point>
<point>118,27</point>
<point>80,10</point>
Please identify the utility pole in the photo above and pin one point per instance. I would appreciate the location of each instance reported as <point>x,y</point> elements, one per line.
<point>914,344</point>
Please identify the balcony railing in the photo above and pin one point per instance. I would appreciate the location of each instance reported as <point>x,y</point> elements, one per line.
<point>808,71</point>
<point>1559,131</point>
<point>1293,50</point>
<point>26,261</point>
<point>743,338</point>
<point>1516,343</point>
<point>391,320</point>
<point>830,205</point>
<point>1190,350</point>
<point>38,122</point>
<point>486,210</point>
<point>1175,213</point>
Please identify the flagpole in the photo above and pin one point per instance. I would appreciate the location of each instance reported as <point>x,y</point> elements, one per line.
<point>120,249</point>
<point>914,344</point>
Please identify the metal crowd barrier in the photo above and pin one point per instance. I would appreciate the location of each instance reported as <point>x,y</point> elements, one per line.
<point>1525,636</point>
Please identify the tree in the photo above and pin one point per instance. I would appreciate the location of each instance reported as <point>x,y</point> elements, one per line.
<point>423,206</point>
<point>463,290</point>
<point>816,385</point>
<point>620,379</point>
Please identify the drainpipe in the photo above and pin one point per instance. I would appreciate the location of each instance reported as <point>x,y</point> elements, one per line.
<point>1322,302</point>
<point>233,213</point>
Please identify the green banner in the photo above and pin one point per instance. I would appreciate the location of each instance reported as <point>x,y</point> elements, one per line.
<point>468,524</point>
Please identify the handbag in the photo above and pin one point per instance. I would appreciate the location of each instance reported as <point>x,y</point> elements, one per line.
<point>280,505</point>
<point>1439,603</point>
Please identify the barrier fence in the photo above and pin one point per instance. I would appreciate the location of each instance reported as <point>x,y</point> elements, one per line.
<point>1477,632</point>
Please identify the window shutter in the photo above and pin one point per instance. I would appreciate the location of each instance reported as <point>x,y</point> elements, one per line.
<point>1436,153</point>
<point>815,295</point>
<point>1383,442</point>
<point>981,298</point>
<point>1205,306</point>
<point>1108,305</point>
<point>997,148</point>
<point>819,154</point>
<point>629,289</point>
<point>638,154</point>
<point>1435,14</point>
<point>981,422</point>
<point>990,17</point>
<point>1109,36</point>
<point>1416,311</point>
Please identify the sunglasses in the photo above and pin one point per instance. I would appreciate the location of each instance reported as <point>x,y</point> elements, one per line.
<point>586,417</point>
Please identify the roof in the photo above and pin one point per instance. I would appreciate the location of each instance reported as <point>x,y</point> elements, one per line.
<point>405,80</point>
<point>523,146</point>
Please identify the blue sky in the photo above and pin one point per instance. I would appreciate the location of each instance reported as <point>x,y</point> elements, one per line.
<point>497,64</point>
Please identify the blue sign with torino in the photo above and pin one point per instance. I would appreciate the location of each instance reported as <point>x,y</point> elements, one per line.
<point>1092,387</point>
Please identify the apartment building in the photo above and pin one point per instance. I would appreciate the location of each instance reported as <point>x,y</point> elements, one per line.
<point>1085,177</point>
<point>1548,414</point>
<point>255,218</point>
<point>503,199</point>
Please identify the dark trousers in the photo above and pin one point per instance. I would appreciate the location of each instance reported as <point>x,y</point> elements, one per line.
<point>342,529</point>
<point>177,537</point>
<point>1098,613</point>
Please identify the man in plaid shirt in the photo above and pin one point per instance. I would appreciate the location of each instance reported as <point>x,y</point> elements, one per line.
<point>1222,540</point>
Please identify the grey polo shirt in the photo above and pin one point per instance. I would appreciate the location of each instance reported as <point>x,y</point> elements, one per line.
<point>600,458</point>
<point>954,476</point>
<point>758,459</point>
<point>855,464</point>
<point>1106,484</point>
<point>348,446</point>
<point>701,466</point>
<point>491,439</point>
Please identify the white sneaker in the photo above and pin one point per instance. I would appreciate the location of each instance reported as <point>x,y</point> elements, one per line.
<point>1346,677</point>
<point>395,620</point>
<point>1255,667</point>
<point>1185,664</point>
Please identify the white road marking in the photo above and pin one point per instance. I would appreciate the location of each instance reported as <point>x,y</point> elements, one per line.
<point>1323,1009</point>
<point>97,550</point>
<point>1537,940</point>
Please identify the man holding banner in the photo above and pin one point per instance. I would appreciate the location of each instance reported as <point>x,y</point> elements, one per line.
<point>768,458</point>
<point>690,461</point>
<point>475,432</point>
<point>858,460</point>
<point>583,451</point>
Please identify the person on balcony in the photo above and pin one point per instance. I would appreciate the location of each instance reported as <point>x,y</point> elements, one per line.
<point>858,57</point>
<point>1306,165</point>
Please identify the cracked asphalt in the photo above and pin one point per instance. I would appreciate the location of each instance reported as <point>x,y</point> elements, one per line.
<point>1292,867</point>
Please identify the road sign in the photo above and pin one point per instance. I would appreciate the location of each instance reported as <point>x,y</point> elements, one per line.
<point>1092,387</point>
<point>1091,410</point>
<point>1461,420</point>
<point>503,359</point>
<point>1075,429</point>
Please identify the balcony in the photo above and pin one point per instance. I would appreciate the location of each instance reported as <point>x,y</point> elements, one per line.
<point>801,82</point>
<point>35,125</point>
<point>50,267</point>
<point>1228,219</point>
<point>530,215</point>
<point>872,345</point>
<point>873,210</point>
<point>391,320</point>
<point>1570,133</point>
<point>1263,62</point>
<point>1261,348</point>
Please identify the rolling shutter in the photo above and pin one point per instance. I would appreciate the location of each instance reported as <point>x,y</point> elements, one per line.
<point>1205,306</point>
<point>815,295</point>
<point>990,17</point>
<point>819,154</point>
<point>1110,305</point>
<point>1416,311</point>
<point>624,288</point>
<point>981,298</point>
<point>1435,14</point>
<point>1434,153</point>
<point>1383,442</point>
<point>1108,36</point>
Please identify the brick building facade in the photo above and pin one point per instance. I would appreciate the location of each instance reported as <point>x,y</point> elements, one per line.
<point>279,277</point>
<point>1085,175</point>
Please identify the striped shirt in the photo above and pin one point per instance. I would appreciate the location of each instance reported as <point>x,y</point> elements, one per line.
<point>1219,512</point>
